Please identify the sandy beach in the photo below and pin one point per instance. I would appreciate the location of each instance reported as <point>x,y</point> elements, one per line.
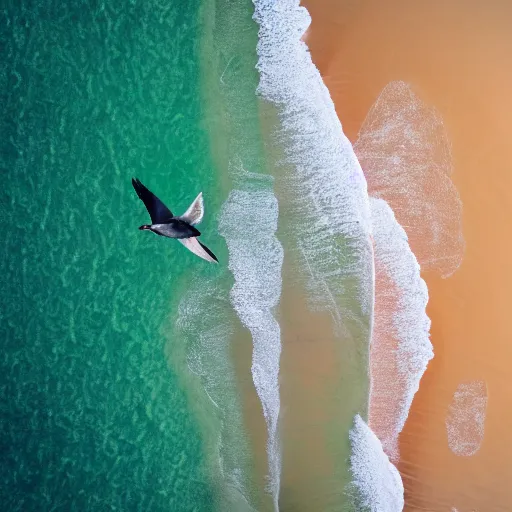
<point>456,58</point>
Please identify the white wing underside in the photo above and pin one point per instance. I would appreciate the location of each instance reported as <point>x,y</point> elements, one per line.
<point>194,246</point>
<point>195,212</point>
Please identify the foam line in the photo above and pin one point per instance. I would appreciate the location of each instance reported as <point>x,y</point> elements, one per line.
<point>248,223</point>
<point>405,153</point>
<point>207,330</point>
<point>401,347</point>
<point>377,486</point>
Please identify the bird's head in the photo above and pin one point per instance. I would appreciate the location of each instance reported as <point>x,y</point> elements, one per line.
<point>146,226</point>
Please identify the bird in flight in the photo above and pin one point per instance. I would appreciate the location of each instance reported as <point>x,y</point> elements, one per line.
<point>164,223</point>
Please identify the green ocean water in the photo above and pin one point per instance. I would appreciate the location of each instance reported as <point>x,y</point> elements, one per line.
<point>219,383</point>
<point>93,416</point>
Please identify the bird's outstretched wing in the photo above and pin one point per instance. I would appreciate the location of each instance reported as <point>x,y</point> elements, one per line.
<point>158,212</point>
<point>194,245</point>
<point>210,253</point>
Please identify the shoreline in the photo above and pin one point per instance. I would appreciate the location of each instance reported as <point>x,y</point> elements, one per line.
<point>315,363</point>
<point>455,58</point>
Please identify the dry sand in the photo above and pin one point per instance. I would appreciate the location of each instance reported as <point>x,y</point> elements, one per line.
<point>457,56</point>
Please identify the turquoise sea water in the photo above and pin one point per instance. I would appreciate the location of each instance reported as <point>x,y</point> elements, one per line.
<point>120,383</point>
<point>92,415</point>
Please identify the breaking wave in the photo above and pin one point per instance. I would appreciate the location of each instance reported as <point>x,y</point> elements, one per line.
<point>401,348</point>
<point>328,198</point>
<point>377,486</point>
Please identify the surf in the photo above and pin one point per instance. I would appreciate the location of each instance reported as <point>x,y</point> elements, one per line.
<point>205,327</point>
<point>400,347</point>
<point>328,226</point>
<point>248,222</point>
<point>377,485</point>
<point>330,209</point>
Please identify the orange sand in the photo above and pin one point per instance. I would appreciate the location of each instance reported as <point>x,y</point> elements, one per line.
<point>457,56</point>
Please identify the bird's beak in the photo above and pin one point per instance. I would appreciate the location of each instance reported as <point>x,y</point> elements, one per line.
<point>144,227</point>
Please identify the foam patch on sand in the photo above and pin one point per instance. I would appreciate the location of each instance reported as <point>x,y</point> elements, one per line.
<point>400,348</point>
<point>377,486</point>
<point>466,418</point>
<point>405,153</point>
<point>248,223</point>
<point>329,201</point>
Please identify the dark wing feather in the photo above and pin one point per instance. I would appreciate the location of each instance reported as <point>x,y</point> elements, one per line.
<point>158,212</point>
<point>208,251</point>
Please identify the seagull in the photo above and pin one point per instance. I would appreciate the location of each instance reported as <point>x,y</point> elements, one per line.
<point>164,223</point>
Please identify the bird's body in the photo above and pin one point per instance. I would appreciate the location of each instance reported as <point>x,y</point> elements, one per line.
<point>164,223</point>
<point>175,228</point>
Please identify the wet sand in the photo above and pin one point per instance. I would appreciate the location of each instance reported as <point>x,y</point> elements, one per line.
<point>307,405</point>
<point>253,416</point>
<point>319,370</point>
<point>317,375</point>
<point>457,56</point>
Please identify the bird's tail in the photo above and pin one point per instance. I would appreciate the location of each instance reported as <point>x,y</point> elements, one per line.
<point>194,214</point>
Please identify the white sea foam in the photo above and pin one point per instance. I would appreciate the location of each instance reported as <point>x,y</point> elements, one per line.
<point>377,482</point>
<point>466,418</point>
<point>207,329</point>
<point>248,223</point>
<point>329,205</point>
<point>406,157</point>
<point>401,347</point>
